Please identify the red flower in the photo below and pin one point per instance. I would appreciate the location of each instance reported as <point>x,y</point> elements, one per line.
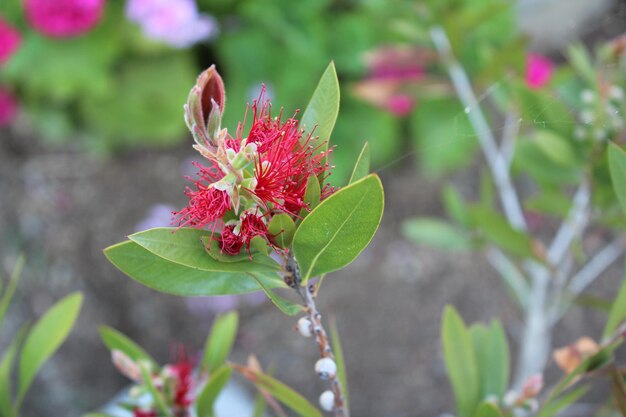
<point>64,18</point>
<point>285,160</point>
<point>206,204</point>
<point>10,40</point>
<point>181,371</point>
<point>230,242</point>
<point>138,412</point>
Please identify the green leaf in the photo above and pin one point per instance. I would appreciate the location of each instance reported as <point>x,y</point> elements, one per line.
<point>260,405</point>
<point>455,206</point>
<point>543,109</point>
<point>436,233</point>
<point>44,339</point>
<point>499,231</point>
<point>313,192</point>
<point>321,112</point>
<point>362,165</point>
<point>6,365</point>
<point>185,246</point>
<point>284,305</point>
<point>492,358</point>
<point>337,230</point>
<point>116,340</point>
<point>146,376</point>
<point>487,409</point>
<point>552,202</point>
<point>617,166</point>
<point>282,229</point>
<point>460,362</point>
<point>342,375</point>
<point>552,408</point>
<point>5,301</point>
<point>281,392</point>
<point>582,63</point>
<point>617,314</point>
<point>220,341</point>
<point>173,278</point>
<point>206,399</point>
<point>555,147</point>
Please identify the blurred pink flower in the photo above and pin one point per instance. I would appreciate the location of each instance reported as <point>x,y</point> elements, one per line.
<point>400,104</point>
<point>539,69</point>
<point>64,18</point>
<point>10,40</point>
<point>8,107</point>
<point>174,22</point>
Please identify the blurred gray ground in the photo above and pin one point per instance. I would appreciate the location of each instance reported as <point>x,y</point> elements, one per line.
<point>62,207</point>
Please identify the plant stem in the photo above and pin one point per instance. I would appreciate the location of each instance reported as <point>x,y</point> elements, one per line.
<point>321,338</point>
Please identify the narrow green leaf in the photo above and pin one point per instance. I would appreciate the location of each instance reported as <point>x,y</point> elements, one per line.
<point>499,231</point>
<point>5,301</point>
<point>206,399</point>
<point>487,409</point>
<point>146,376</point>
<point>436,233</point>
<point>323,108</point>
<point>260,405</point>
<point>312,196</point>
<point>455,206</point>
<point>617,314</point>
<point>282,229</point>
<point>552,408</point>
<point>492,358</point>
<point>44,339</point>
<point>220,341</point>
<point>342,375</point>
<point>337,230</point>
<point>116,340</point>
<point>362,165</point>
<point>460,362</point>
<point>186,247</point>
<point>281,392</point>
<point>6,365</point>
<point>617,166</point>
<point>582,63</point>
<point>286,306</point>
<point>169,277</point>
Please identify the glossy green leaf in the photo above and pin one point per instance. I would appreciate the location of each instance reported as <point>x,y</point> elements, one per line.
<point>186,247</point>
<point>206,399</point>
<point>496,229</point>
<point>342,375</point>
<point>436,233</point>
<point>554,407</point>
<point>9,291</point>
<point>284,305</point>
<point>281,392</point>
<point>617,166</point>
<point>460,362</point>
<point>116,340</point>
<point>362,165</point>
<point>6,366</point>
<point>321,112</point>
<point>220,341</point>
<point>488,409</point>
<point>555,147</point>
<point>173,278</point>
<point>282,229</point>
<point>337,230</point>
<point>313,192</point>
<point>617,315</point>
<point>45,338</point>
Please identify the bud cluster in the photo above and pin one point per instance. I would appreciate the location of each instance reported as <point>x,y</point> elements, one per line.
<point>602,114</point>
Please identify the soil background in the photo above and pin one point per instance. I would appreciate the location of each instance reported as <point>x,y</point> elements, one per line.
<point>61,207</point>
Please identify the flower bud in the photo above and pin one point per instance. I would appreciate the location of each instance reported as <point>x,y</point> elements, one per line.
<point>204,108</point>
<point>327,400</point>
<point>125,365</point>
<point>326,368</point>
<point>305,327</point>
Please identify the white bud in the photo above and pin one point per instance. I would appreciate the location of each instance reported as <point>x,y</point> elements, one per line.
<point>616,93</point>
<point>327,400</point>
<point>326,368</point>
<point>305,327</point>
<point>587,96</point>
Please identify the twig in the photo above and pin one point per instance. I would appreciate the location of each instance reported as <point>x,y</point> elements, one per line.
<point>321,338</point>
<point>595,267</point>
<point>497,164</point>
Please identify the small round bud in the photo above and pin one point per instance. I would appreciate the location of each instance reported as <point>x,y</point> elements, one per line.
<point>587,96</point>
<point>305,327</point>
<point>327,400</point>
<point>326,368</point>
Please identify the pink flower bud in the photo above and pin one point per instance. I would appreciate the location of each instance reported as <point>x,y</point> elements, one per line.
<point>10,40</point>
<point>64,18</point>
<point>539,70</point>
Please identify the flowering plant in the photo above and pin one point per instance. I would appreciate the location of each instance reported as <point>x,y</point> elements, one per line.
<point>260,216</point>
